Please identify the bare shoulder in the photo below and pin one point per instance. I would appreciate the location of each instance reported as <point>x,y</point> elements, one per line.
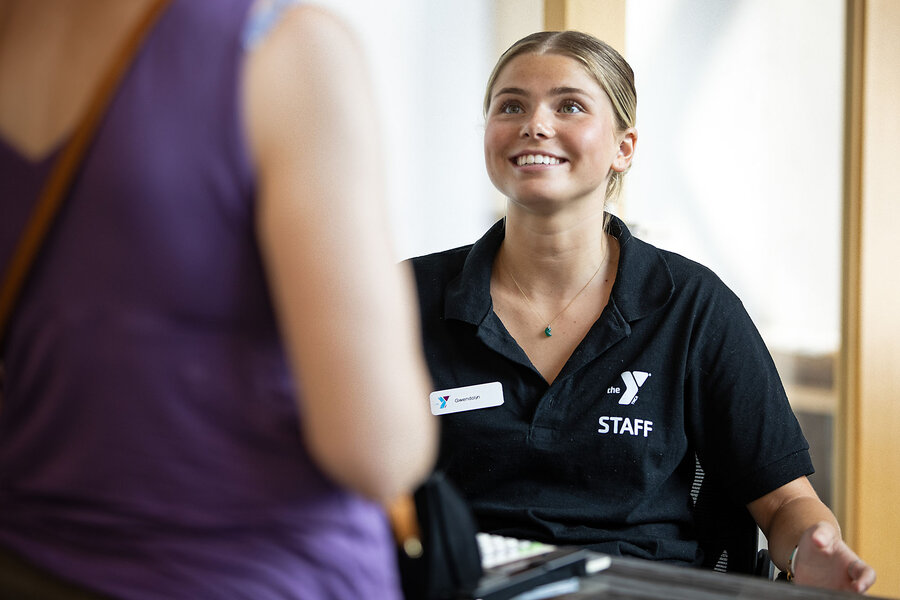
<point>309,31</point>
<point>317,20</point>
<point>308,65</point>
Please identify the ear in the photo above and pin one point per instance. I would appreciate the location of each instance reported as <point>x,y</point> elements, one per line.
<point>627,145</point>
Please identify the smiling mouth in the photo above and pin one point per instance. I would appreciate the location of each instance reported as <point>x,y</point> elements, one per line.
<point>536,159</point>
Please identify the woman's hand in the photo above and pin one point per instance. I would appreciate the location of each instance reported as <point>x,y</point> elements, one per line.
<point>824,560</point>
<point>793,515</point>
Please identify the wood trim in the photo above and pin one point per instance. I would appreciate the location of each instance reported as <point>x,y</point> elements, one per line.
<point>847,432</point>
<point>872,291</point>
<point>604,19</point>
<point>555,15</point>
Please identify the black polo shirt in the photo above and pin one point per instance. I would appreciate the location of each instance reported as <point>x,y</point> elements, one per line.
<point>605,455</point>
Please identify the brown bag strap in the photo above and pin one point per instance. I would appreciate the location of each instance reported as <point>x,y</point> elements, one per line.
<point>56,186</point>
<point>405,524</point>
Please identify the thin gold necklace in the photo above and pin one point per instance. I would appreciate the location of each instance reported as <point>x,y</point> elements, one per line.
<point>548,331</point>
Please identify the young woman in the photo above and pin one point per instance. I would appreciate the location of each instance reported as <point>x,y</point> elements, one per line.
<point>617,362</point>
<point>197,401</point>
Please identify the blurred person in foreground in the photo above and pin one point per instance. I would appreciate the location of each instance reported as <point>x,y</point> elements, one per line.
<point>213,375</point>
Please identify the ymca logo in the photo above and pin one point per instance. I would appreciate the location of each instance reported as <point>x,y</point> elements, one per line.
<point>626,425</point>
<point>443,400</point>
<point>633,382</point>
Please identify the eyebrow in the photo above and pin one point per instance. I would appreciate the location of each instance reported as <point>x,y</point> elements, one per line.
<point>557,91</point>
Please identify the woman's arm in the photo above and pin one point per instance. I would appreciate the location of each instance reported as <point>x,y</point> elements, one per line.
<point>793,516</point>
<point>346,310</point>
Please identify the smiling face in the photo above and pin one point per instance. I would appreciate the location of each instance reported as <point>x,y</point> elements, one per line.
<point>550,136</point>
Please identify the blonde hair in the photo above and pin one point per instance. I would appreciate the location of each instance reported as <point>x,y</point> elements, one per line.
<point>599,59</point>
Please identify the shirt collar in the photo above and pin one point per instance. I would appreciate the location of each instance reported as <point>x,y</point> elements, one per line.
<point>643,284</point>
<point>469,295</point>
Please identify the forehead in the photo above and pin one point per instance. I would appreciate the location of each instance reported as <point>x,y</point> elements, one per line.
<point>540,72</point>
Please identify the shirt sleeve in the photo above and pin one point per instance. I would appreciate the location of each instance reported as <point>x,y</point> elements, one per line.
<point>743,426</point>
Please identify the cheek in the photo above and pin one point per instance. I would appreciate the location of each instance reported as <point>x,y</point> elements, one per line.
<point>492,140</point>
<point>599,144</point>
<point>495,158</point>
<point>494,147</point>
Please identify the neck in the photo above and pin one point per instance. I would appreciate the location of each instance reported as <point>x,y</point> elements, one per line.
<point>548,257</point>
<point>53,54</point>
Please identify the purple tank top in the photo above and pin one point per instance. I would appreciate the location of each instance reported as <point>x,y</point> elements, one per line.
<point>149,439</point>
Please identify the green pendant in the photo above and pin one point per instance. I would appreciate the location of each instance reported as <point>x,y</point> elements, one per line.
<point>548,331</point>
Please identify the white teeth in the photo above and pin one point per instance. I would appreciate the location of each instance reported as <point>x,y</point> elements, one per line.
<point>540,159</point>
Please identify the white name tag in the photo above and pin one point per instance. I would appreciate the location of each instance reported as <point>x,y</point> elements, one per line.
<point>471,397</point>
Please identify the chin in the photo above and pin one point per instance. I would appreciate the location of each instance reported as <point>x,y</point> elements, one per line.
<point>541,203</point>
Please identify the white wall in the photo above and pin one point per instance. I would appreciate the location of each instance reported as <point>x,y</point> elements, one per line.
<point>739,159</point>
<point>430,61</point>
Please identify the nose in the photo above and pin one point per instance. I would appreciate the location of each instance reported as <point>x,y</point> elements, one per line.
<point>537,126</point>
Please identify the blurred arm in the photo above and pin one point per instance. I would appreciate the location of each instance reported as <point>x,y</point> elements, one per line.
<point>346,310</point>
